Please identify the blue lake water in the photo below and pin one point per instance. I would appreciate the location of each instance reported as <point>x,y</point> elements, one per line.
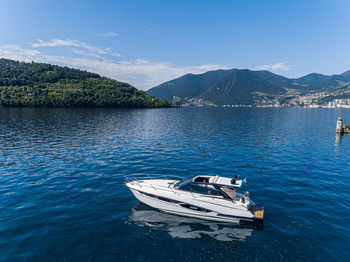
<point>62,196</point>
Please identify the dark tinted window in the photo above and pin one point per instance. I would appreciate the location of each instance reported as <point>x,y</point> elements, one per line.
<point>201,179</point>
<point>201,189</point>
<point>160,198</point>
<point>194,207</point>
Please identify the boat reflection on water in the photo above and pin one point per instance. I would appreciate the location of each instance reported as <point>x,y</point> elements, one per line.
<point>186,227</point>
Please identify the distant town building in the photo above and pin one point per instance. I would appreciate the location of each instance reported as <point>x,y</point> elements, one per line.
<point>343,103</point>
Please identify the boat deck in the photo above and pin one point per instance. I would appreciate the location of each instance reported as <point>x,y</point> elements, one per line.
<point>258,211</point>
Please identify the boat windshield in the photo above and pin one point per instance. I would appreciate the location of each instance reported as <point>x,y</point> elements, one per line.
<point>183,182</point>
<point>203,190</point>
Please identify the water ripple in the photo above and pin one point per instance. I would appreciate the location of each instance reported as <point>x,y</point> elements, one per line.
<point>62,196</point>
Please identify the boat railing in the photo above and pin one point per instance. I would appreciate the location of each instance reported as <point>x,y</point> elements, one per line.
<point>138,177</point>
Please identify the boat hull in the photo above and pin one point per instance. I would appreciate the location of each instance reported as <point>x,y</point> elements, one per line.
<point>176,208</point>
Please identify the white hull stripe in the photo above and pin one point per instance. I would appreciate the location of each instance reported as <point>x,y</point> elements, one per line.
<point>219,217</point>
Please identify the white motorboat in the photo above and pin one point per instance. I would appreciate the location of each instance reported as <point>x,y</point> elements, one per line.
<point>205,197</point>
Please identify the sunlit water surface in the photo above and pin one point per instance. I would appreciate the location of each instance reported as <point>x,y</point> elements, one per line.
<point>62,196</point>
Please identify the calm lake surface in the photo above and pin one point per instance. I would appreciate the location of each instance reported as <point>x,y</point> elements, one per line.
<point>62,196</point>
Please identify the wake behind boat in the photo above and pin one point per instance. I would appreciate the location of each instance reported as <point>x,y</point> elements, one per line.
<point>205,197</point>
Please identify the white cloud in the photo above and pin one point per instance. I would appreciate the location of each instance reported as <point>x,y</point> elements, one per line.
<point>55,42</point>
<point>70,43</point>
<point>110,34</point>
<point>141,73</point>
<point>280,66</point>
<point>18,53</point>
<point>84,53</point>
<point>152,31</point>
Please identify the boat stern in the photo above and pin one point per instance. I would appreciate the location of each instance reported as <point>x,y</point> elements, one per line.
<point>258,213</point>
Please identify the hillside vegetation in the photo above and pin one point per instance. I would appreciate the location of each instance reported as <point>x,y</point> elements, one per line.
<point>256,88</point>
<point>44,85</point>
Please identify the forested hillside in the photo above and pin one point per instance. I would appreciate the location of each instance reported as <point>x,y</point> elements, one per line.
<point>44,85</point>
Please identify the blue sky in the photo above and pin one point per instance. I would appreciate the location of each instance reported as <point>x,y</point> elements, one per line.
<point>149,42</point>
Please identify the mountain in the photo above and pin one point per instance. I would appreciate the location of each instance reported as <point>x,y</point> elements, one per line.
<point>346,74</point>
<point>44,85</point>
<point>316,81</point>
<point>222,86</point>
<point>245,87</point>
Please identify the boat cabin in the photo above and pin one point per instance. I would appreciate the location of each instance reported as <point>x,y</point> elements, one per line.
<point>210,185</point>
<point>213,180</point>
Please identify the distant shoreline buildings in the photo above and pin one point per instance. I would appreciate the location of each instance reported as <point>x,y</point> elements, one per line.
<point>336,103</point>
<point>339,103</point>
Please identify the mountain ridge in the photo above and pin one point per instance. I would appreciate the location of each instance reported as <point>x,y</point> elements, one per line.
<point>245,87</point>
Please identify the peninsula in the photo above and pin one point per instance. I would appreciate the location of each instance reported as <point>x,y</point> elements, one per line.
<point>44,85</point>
